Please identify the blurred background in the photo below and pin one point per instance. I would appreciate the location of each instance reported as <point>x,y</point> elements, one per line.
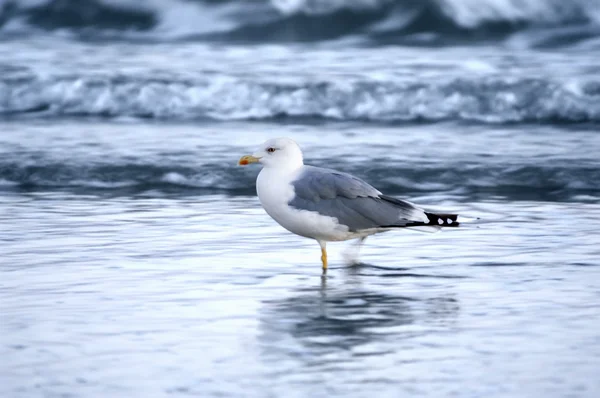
<point>137,261</point>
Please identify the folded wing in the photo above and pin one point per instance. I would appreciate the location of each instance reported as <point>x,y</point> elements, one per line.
<point>353,202</point>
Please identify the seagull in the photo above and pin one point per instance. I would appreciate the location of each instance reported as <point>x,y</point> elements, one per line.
<point>328,205</point>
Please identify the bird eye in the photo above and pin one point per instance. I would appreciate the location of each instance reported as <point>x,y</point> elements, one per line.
<point>271,150</point>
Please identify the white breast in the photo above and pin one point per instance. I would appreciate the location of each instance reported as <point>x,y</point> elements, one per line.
<point>275,191</point>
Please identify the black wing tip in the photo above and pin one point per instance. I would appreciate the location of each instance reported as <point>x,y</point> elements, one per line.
<point>433,220</point>
<point>442,220</point>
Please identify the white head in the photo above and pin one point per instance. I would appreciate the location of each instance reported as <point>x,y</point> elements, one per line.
<point>280,153</point>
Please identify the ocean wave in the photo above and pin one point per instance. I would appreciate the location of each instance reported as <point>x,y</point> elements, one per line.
<point>377,21</point>
<point>542,182</point>
<point>492,100</point>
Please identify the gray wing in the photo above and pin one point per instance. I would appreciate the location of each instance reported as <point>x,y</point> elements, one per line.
<point>352,201</point>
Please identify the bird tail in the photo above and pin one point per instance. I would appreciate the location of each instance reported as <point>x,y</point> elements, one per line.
<point>434,222</point>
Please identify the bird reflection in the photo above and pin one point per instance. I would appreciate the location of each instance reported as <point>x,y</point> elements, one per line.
<point>339,316</point>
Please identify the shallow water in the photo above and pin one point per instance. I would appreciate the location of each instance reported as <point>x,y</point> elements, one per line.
<point>150,296</point>
<point>135,265</point>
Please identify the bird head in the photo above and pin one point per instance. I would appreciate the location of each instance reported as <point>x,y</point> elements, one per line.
<point>281,153</point>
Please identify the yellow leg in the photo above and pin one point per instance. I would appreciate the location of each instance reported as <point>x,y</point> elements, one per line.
<point>324,259</point>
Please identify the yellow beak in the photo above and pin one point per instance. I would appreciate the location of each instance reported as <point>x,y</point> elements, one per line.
<point>245,160</point>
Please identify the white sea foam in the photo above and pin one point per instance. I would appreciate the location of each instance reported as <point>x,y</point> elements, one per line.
<point>497,100</point>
